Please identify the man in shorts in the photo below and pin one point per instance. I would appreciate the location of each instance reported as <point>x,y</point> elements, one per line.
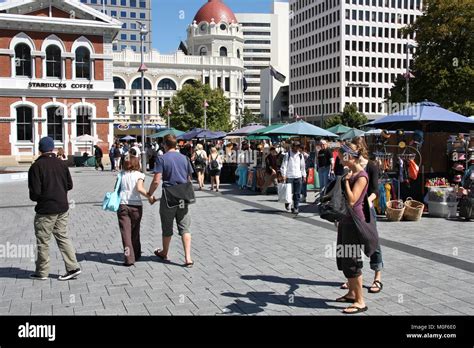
<point>174,169</point>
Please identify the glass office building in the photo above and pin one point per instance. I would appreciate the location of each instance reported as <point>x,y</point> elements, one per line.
<point>128,12</point>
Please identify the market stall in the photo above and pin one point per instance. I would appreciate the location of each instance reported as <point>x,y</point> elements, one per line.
<point>424,140</point>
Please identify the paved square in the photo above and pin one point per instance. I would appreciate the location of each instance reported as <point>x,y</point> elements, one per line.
<point>251,258</point>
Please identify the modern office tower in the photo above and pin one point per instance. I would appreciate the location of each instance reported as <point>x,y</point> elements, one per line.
<point>347,51</point>
<point>129,12</point>
<point>266,42</point>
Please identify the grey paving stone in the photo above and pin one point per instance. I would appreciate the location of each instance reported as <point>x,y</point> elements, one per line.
<point>280,262</point>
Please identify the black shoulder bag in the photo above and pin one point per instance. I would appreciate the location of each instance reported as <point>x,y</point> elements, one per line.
<point>366,228</point>
<point>179,195</point>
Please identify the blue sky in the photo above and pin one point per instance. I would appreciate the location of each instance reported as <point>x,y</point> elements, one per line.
<point>171,18</point>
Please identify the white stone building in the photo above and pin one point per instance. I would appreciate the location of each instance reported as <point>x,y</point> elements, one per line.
<point>266,42</point>
<point>215,46</point>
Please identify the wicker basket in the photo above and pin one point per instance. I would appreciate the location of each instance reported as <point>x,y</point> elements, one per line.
<point>413,210</point>
<point>394,212</point>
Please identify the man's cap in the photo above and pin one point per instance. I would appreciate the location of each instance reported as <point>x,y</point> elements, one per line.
<point>46,144</point>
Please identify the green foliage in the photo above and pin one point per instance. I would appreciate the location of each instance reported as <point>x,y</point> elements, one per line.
<point>187,108</point>
<point>350,117</point>
<point>249,117</point>
<point>444,59</point>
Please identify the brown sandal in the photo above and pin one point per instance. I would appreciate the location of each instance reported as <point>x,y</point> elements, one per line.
<point>376,284</point>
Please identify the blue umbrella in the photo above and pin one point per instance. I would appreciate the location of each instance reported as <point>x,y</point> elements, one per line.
<point>302,128</point>
<point>199,133</point>
<point>191,134</point>
<point>352,133</point>
<point>427,116</point>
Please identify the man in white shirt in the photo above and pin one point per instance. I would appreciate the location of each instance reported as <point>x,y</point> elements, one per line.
<point>293,171</point>
<point>137,149</point>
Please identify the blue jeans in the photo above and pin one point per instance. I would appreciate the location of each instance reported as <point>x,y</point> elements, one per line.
<point>296,189</point>
<point>323,174</point>
<point>376,262</point>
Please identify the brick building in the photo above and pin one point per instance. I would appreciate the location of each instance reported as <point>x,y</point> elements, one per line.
<point>55,77</point>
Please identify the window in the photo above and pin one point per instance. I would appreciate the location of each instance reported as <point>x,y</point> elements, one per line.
<point>53,62</point>
<point>83,120</point>
<point>24,123</point>
<point>55,123</point>
<point>137,84</point>
<point>238,54</point>
<point>119,83</point>
<point>83,63</point>
<point>23,60</point>
<point>203,51</point>
<point>223,52</point>
<point>166,85</point>
<point>227,84</point>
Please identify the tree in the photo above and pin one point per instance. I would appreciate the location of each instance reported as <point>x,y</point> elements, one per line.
<point>350,117</point>
<point>187,108</point>
<point>249,117</point>
<point>443,64</point>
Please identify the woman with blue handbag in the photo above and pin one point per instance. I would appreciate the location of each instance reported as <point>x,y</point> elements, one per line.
<point>131,208</point>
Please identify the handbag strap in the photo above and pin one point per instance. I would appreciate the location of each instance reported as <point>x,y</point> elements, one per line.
<point>118,183</point>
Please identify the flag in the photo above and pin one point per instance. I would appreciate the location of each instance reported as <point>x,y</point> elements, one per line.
<point>245,85</point>
<point>206,104</point>
<point>184,48</point>
<point>409,76</point>
<point>277,75</point>
<point>168,112</point>
<point>297,116</point>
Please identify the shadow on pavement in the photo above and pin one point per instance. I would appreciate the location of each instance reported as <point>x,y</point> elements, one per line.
<point>116,259</point>
<point>18,273</point>
<point>254,302</point>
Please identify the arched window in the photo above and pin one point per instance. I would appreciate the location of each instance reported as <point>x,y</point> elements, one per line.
<point>189,82</point>
<point>223,52</point>
<point>119,83</point>
<point>83,120</point>
<point>83,63</point>
<point>203,51</point>
<point>24,123</point>
<point>23,60</point>
<point>238,54</point>
<point>167,85</point>
<point>137,84</point>
<point>55,123</point>
<point>53,62</point>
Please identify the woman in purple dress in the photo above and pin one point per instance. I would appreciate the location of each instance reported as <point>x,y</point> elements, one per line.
<point>349,246</point>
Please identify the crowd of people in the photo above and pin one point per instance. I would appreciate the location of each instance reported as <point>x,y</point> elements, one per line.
<point>174,166</point>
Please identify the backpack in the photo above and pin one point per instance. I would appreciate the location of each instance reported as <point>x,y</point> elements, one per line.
<point>199,161</point>
<point>332,205</point>
<point>214,164</point>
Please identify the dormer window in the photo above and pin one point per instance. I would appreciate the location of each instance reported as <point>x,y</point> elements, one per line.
<point>223,27</point>
<point>203,27</point>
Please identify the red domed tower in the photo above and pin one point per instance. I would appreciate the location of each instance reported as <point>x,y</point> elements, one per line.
<point>215,32</point>
<point>217,10</point>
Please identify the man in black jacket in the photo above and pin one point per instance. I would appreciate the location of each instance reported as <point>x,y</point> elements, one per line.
<point>49,180</point>
<point>98,158</point>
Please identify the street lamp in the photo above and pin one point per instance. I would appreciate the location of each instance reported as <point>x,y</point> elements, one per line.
<point>241,110</point>
<point>142,69</point>
<point>407,76</point>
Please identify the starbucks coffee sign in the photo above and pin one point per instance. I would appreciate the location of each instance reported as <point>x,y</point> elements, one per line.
<point>60,85</point>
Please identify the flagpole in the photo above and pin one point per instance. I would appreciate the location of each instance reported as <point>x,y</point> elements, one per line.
<point>270,97</point>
